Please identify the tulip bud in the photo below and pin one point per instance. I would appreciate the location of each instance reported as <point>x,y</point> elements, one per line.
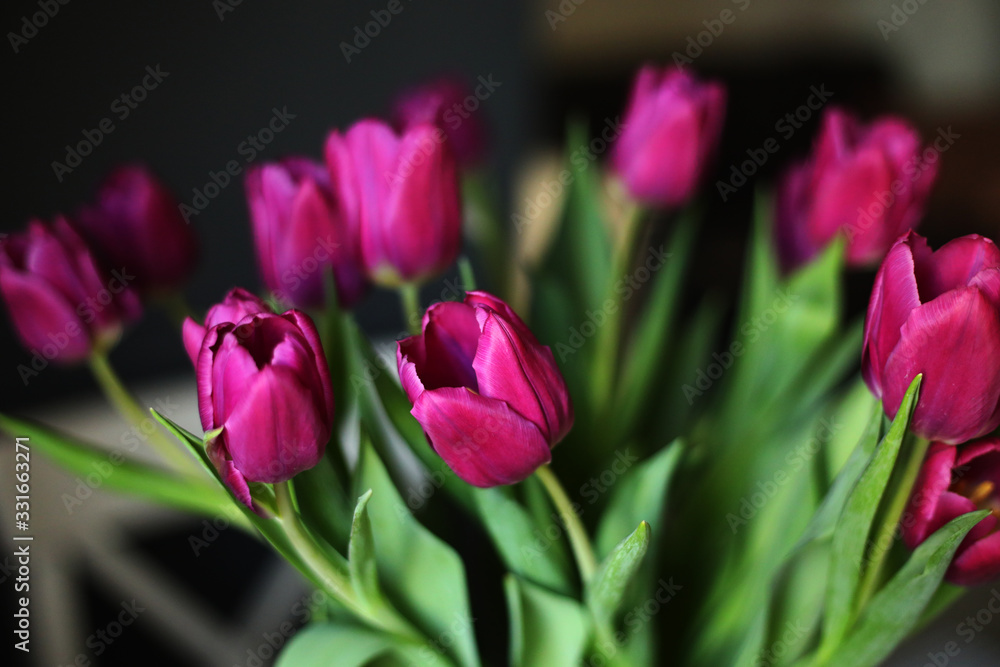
<point>299,231</point>
<point>402,192</point>
<point>264,381</point>
<point>672,126</point>
<point>937,313</point>
<point>488,395</point>
<point>442,103</point>
<point>955,481</point>
<point>238,304</point>
<point>136,223</point>
<point>867,182</point>
<point>60,300</point>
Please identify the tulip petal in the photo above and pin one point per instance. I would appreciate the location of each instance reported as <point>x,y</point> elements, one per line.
<point>43,318</point>
<point>409,354</point>
<point>955,342</point>
<point>231,477</point>
<point>955,264</point>
<point>894,296</point>
<point>451,337</point>
<point>307,329</point>
<point>273,431</point>
<point>483,440</point>
<point>193,335</point>
<point>522,375</point>
<point>978,564</point>
<point>481,298</point>
<point>933,481</point>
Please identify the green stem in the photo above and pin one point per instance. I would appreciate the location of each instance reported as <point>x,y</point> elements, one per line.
<point>126,404</point>
<point>606,355</point>
<point>894,512</point>
<point>175,306</point>
<point>333,576</point>
<point>409,295</point>
<point>583,551</point>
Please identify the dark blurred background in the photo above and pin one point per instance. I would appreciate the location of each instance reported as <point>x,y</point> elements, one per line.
<point>230,65</point>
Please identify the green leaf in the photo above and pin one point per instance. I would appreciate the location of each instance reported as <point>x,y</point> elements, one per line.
<point>422,575</point>
<point>654,331</point>
<point>514,533</point>
<point>606,590</point>
<point>361,553</point>
<point>895,610</point>
<point>333,645</point>
<point>323,503</point>
<point>854,525</point>
<point>117,473</point>
<point>640,495</point>
<point>547,629</point>
<point>825,519</point>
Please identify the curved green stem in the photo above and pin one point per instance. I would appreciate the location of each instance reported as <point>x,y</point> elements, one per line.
<point>125,403</point>
<point>409,295</point>
<point>606,355</point>
<point>582,550</point>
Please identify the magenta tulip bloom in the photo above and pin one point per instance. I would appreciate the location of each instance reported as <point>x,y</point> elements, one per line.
<point>672,126</point>
<point>868,182</point>
<point>300,231</point>
<point>63,305</point>
<point>264,381</point>
<point>402,192</point>
<point>937,313</point>
<point>489,396</point>
<point>444,103</point>
<point>136,223</point>
<point>238,304</point>
<point>955,481</point>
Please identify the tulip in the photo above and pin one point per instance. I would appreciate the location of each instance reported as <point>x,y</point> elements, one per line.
<point>62,303</point>
<point>442,103</point>
<point>237,304</point>
<point>488,395</point>
<point>672,126</point>
<point>955,481</point>
<point>264,382</point>
<point>937,313</point>
<point>136,223</point>
<point>299,231</point>
<point>402,192</point>
<point>867,182</point>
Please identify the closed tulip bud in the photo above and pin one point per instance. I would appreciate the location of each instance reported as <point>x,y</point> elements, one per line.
<point>135,222</point>
<point>238,304</point>
<point>402,192</point>
<point>937,313</point>
<point>264,381</point>
<point>868,183</point>
<point>671,129</point>
<point>488,395</point>
<point>955,481</point>
<point>62,303</point>
<point>300,231</point>
<point>443,103</point>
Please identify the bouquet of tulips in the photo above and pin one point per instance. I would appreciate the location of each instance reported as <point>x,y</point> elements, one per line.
<point>726,490</point>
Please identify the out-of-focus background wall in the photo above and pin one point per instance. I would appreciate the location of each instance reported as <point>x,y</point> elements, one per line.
<point>231,63</point>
